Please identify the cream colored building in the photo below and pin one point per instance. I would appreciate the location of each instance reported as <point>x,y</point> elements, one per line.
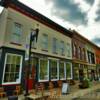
<point>51,54</point>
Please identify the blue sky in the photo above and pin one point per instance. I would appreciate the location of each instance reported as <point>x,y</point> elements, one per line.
<point>81,15</point>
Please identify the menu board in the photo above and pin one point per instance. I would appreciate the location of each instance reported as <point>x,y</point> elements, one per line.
<point>65,88</point>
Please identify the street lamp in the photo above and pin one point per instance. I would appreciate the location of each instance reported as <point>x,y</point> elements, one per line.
<point>33,35</point>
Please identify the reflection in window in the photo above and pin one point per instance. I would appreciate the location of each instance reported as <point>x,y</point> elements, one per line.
<point>43,70</point>
<point>62,70</point>
<point>53,69</point>
<point>13,66</point>
<point>69,70</point>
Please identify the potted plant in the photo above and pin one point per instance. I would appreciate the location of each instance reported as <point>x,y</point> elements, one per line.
<point>85,83</point>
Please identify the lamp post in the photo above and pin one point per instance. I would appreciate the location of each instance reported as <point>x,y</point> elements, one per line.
<point>33,35</point>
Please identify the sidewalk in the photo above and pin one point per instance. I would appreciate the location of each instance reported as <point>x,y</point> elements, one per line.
<point>75,92</point>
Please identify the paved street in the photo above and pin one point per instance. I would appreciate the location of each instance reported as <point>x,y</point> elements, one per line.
<point>92,93</point>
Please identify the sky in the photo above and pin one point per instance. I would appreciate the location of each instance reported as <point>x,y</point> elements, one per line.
<point>80,15</point>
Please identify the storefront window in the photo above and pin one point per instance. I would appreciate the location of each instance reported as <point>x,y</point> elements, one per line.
<point>12,69</point>
<point>69,70</point>
<point>76,73</point>
<point>43,70</point>
<point>62,70</point>
<point>54,70</point>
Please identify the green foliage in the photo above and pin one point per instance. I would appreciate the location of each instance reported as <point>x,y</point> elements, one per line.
<point>85,83</point>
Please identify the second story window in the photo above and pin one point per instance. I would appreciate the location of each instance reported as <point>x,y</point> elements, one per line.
<point>79,53</point>
<point>74,50</point>
<point>17,33</point>
<point>91,57</point>
<point>34,41</point>
<point>45,42</point>
<point>68,50</point>
<point>54,45</point>
<point>62,48</point>
<point>83,54</point>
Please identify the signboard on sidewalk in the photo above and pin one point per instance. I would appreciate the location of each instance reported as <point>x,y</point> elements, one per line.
<point>65,88</point>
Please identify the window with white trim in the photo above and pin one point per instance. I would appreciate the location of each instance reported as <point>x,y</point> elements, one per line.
<point>54,45</point>
<point>54,70</point>
<point>43,70</point>
<point>17,33</point>
<point>69,70</point>
<point>45,42</point>
<point>62,49</point>
<point>68,50</point>
<point>12,69</point>
<point>62,70</point>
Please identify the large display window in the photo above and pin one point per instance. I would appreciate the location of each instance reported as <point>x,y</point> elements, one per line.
<point>12,69</point>
<point>54,70</point>
<point>69,70</point>
<point>43,70</point>
<point>62,70</point>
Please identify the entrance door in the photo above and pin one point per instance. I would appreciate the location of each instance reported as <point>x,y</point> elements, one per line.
<point>92,74</point>
<point>81,75</point>
<point>32,74</point>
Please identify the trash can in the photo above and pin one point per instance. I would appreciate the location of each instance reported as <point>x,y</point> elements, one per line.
<point>12,97</point>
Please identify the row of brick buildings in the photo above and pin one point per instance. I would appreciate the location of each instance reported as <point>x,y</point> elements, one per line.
<point>58,54</point>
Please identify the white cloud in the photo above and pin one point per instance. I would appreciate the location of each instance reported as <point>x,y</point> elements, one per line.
<point>92,13</point>
<point>90,31</point>
<point>38,5</point>
<point>83,5</point>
